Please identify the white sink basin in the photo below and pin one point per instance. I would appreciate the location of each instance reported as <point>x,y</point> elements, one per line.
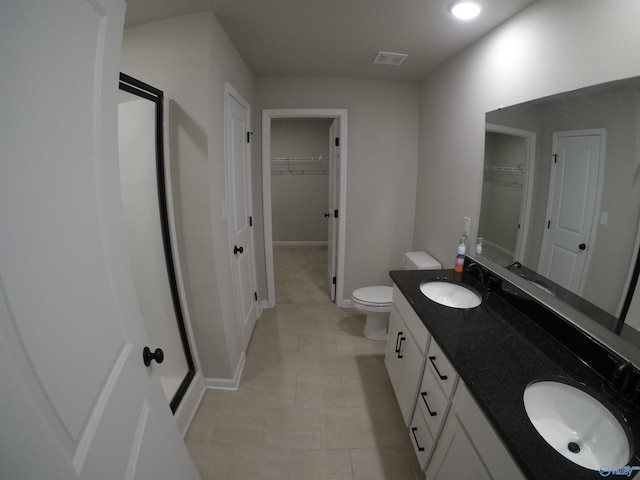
<point>577,425</point>
<point>450,294</point>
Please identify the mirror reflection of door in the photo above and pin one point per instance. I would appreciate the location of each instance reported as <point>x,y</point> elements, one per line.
<point>571,207</point>
<point>142,177</point>
<point>506,193</point>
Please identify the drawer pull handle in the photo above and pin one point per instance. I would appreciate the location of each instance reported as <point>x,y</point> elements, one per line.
<point>397,342</point>
<point>413,431</point>
<point>424,399</point>
<point>442,377</point>
<point>402,339</point>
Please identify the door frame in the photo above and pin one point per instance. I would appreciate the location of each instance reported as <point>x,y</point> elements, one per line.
<point>602,133</point>
<point>329,113</point>
<point>527,184</point>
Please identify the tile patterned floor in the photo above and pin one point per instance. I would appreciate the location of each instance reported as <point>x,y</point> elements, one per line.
<point>314,403</point>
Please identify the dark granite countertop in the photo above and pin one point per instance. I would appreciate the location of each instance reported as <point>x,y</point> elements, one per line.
<point>498,351</point>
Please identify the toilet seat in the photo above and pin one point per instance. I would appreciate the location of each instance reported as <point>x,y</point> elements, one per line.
<point>373,296</point>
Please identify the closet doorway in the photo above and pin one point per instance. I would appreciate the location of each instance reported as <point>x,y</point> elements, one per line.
<point>304,159</point>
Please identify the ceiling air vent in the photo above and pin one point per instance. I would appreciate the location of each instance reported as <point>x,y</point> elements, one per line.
<point>388,58</point>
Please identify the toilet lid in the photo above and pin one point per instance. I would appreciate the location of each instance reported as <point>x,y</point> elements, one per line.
<point>374,295</point>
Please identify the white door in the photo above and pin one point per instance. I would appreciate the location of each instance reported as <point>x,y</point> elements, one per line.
<point>332,224</point>
<point>571,207</point>
<point>239,207</point>
<point>77,401</point>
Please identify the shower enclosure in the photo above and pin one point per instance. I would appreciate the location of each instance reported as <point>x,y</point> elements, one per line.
<point>143,177</point>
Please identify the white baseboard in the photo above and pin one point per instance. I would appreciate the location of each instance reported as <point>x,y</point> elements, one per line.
<point>228,383</point>
<point>189,404</point>
<point>262,305</point>
<point>344,303</point>
<point>300,244</point>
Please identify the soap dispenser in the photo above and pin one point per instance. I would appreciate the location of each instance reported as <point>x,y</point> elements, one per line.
<point>460,256</point>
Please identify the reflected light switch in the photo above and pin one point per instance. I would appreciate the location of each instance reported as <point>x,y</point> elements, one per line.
<point>604,218</point>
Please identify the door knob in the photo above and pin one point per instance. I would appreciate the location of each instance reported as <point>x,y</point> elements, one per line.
<point>237,250</point>
<point>582,246</point>
<point>148,356</point>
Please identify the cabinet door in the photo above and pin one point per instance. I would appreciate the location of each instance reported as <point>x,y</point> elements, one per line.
<point>410,377</point>
<point>455,457</point>
<point>392,358</point>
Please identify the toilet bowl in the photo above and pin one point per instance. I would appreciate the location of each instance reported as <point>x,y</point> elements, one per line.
<point>375,302</point>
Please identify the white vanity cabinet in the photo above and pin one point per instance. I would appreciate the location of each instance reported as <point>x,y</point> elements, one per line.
<point>469,447</point>
<point>405,355</point>
<point>451,436</point>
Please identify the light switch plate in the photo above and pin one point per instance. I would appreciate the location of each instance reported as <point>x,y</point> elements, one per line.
<point>466,228</point>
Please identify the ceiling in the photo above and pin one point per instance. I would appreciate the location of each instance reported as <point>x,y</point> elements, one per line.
<point>337,38</point>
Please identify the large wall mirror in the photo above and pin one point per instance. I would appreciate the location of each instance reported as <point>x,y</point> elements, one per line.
<point>561,199</point>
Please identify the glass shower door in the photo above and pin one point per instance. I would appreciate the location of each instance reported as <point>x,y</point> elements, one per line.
<point>143,189</point>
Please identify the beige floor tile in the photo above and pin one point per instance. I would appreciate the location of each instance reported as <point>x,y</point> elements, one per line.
<point>367,390</point>
<point>274,339</point>
<point>202,424</point>
<point>240,427</point>
<point>321,465</point>
<point>269,392</point>
<point>382,463</point>
<point>250,463</point>
<point>212,461</point>
<point>294,428</point>
<point>265,364</point>
<point>347,428</point>
<point>314,392</point>
<point>318,340</point>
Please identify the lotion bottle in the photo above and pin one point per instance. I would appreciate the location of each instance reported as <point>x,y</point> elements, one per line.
<point>460,256</point>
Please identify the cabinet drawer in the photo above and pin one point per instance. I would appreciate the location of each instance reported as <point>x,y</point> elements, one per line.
<point>433,403</point>
<point>411,319</point>
<point>421,439</point>
<point>441,369</point>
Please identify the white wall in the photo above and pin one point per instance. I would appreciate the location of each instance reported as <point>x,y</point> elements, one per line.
<point>190,58</point>
<point>299,201</point>
<point>381,170</point>
<point>536,53</point>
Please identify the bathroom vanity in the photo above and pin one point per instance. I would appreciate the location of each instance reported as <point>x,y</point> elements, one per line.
<point>460,374</point>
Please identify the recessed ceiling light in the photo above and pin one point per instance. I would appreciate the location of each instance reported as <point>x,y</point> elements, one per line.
<point>465,10</point>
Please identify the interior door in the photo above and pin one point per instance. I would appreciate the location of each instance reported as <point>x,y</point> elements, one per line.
<point>240,222</point>
<point>571,207</point>
<point>332,224</point>
<point>77,400</point>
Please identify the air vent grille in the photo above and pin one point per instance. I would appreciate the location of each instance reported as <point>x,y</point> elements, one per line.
<point>389,58</point>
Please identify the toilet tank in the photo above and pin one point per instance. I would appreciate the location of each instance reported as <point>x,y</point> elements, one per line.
<point>420,261</point>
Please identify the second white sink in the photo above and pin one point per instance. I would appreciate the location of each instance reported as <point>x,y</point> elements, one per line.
<point>577,425</point>
<point>450,294</point>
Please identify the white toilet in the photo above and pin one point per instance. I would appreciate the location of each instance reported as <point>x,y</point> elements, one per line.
<point>375,302</point>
